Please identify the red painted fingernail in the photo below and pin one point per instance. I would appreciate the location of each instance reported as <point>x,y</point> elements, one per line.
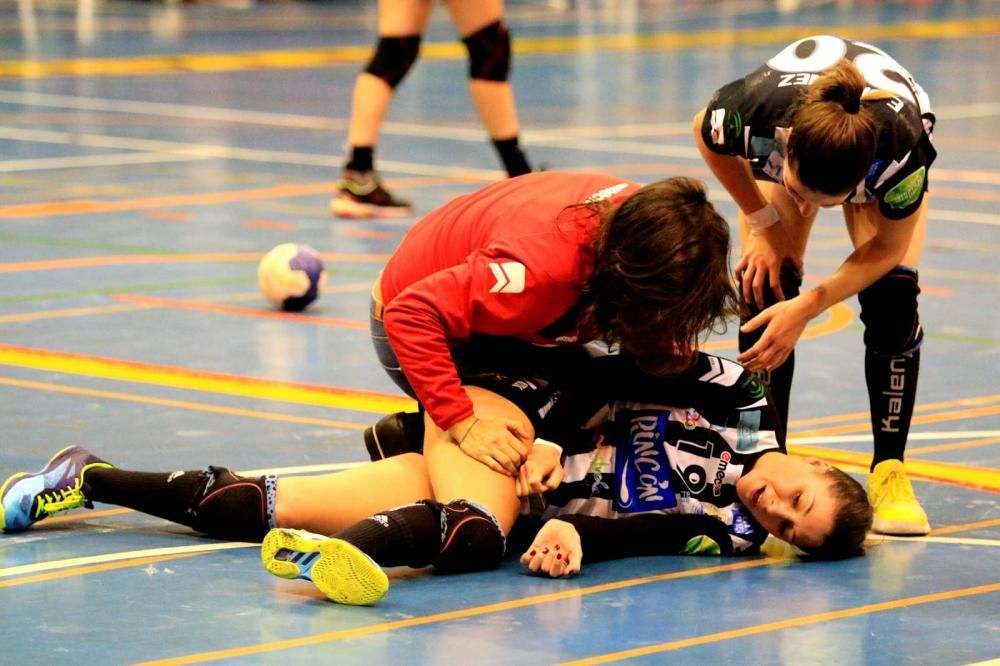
<point>531,552</point>
<point>545,551</point>
<point>559,556</point>
<point>557,546</point>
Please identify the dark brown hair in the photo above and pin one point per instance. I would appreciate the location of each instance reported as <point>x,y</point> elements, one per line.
<point>832,143</point>
<point>851,522</point>
<point>661,274</point>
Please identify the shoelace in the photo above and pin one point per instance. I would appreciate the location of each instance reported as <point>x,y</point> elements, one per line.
<point>896,488</point>
<point>59,500</point>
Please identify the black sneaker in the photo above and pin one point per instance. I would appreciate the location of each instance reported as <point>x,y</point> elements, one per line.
<point>395,434</point>
<point>361,195</point>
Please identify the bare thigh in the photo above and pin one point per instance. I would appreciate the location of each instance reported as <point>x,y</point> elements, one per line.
<point>469,16</point>
<point>454,475</point>
<point>402,18</point>
<point>328,503</point>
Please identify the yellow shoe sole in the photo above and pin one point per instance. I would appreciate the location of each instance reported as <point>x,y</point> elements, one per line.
<point>344,574</point>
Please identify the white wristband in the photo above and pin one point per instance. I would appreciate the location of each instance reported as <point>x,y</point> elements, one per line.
<point>546,442</point>
<point>763,218</point>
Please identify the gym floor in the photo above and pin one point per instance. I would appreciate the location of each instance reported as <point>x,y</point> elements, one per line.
<point>150,154</point>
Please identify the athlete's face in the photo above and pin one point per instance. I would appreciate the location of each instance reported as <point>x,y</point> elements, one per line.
<point>790,498</point>
<point>806,199</point>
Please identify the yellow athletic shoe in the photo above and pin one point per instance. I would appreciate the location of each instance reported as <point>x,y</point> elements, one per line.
<point>339,570</point>
<point>896,508</point>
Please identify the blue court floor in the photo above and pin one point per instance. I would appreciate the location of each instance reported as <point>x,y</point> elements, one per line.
<point>151,153</point>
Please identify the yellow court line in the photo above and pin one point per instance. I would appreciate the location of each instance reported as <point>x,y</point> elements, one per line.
<point>955,446</point>
<point>523,46</point>
<point>963,475</point>
<point>183,404</point>
<point>959,541</point>
<point>951,529</point>
<point>200,380</point>
<point>88,207</point>
<point>815,618</point>
<point>918,419</point>
<point>924,407</point>
<point>456,614</point>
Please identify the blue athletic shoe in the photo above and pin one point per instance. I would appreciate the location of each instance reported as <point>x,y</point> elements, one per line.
<point>28,498</point>
<point>339,570</point>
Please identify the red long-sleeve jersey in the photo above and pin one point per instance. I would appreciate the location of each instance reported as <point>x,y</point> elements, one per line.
<point>506,260</point>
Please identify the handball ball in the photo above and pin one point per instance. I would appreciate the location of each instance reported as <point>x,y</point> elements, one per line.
<point>291,276</point>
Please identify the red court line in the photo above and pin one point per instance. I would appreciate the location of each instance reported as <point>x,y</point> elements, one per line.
<point>205,306</point>
<point>143,259</point>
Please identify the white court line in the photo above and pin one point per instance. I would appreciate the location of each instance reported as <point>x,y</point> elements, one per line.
<point>962,541</point>
<point>913,437</point>
<point>204,151</point>
<point>87,161</point>
<point>964,216</point>
<point>198,112</point>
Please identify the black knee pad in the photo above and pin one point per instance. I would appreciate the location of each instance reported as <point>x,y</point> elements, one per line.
<point>471,538</point>
<point>489,52</point>
<point>394,56</point>
<point>233,507</point>
<point>791,282</point>
<point>889,312</point>
<point>395,434</point>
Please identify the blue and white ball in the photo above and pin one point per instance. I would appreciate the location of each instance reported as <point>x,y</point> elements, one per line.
<point>291,276</point>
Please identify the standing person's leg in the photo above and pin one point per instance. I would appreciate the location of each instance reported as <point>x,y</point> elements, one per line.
<point>481,27</point>
<point>400,26</point>
<point>893,337</point>
<point>780,378</point>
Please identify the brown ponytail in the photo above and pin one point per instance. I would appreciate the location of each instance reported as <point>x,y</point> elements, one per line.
<point>833,135</point>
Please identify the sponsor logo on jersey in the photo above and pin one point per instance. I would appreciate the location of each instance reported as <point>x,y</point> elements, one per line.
<point>742,524</point>
<point>907,191</point>
<point>753,386</point>
<point>734,123</point>
<point>748,431</point>
<point>691,418</point>
<point>509,277</point>
<point>642,470</point>
<point>720,473</point>
<point>606,193</point>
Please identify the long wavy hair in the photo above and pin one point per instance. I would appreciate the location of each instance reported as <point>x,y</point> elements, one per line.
<point>832,144</point>
<point>661,279</point>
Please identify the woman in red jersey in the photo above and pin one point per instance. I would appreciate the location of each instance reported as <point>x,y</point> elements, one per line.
<point>547,259</point>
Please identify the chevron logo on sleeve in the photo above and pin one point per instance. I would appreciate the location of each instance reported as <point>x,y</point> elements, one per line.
<point>509,277</point>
